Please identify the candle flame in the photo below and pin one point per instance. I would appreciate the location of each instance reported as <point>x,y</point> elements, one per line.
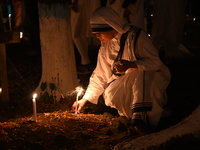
<point>0,90</point>
<point>34,96</point>
<point>80,91</point>
<point>21,35</point>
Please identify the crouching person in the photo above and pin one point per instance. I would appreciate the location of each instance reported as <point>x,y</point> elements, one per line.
<point>129,72</point>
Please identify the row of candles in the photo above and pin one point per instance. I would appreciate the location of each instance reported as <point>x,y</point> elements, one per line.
<point>80,90</point>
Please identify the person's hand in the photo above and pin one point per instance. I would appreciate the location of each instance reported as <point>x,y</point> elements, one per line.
<point>79,105</point>
<point>122,65</point>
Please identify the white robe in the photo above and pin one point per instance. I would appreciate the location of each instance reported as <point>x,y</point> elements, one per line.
<point>129,90</point>
<point>80,25</point>
<point>80,21</point>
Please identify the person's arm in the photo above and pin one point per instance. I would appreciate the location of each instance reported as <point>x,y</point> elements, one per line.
<point>96,85</point>
<point>99,78</point>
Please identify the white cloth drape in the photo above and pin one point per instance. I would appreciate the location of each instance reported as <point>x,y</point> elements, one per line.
<point>80,22</point>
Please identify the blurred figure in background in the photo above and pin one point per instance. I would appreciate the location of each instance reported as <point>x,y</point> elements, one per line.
<point>168,28</point>
<point>132,11</point>
<point>81,31</point>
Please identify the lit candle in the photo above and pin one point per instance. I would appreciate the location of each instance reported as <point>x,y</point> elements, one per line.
<point>34,107</point>
<point>0,94</point>
<point>79,93</point>
<point>21,35</point>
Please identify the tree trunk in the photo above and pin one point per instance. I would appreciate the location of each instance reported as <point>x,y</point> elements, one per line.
<point>58,60</point>
<point>4,96</point>
<point>184,135</point>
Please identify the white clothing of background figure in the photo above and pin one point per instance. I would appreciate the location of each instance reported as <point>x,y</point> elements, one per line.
<point>80,26</point>
<point>136,16</point>
<point>168,26</point>
<point>141,89</point>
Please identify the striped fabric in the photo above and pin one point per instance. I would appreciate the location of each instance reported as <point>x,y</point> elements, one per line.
<point>100,28</point>
<point>139,107</point>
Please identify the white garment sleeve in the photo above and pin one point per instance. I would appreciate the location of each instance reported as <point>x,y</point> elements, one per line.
<point>98,78</point>
<point>150,60</point>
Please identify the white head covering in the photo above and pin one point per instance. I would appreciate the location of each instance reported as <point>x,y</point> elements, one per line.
<point>105,19</point>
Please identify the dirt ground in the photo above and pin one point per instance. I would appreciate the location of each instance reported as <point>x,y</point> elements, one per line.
<point>99,127</point>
